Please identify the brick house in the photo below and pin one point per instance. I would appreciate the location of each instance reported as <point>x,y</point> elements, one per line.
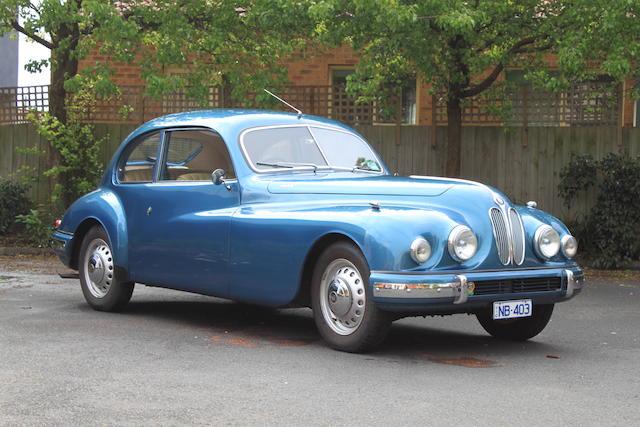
<point>317,87</point>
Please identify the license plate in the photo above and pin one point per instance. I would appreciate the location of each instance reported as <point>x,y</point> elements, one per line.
<point>512,309</point>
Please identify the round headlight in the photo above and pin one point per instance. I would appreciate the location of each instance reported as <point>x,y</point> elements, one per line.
<point>569,245</point>
<point>463,243</point>
<point>420,250</point>
<point>547,241</point>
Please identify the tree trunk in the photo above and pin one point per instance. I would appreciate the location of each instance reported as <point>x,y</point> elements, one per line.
<point>454,135</point>
<point>63,66</point>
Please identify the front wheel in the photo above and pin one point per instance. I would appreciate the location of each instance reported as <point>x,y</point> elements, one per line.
<point>520,329</point>
<point>343,309</point>
<point>100,285</point>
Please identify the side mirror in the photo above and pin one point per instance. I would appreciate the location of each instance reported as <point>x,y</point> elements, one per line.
<point>217,176</point>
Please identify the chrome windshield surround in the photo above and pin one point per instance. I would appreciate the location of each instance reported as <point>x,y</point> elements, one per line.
<point>309,127</point>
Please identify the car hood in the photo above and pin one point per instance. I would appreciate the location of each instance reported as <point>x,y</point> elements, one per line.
<point>369,186</point>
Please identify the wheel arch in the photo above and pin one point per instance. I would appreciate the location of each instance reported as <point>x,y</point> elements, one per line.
<point>304,287</point>
<point>78,236</point>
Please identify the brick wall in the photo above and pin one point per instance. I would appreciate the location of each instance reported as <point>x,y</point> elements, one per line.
<point>314,68</point>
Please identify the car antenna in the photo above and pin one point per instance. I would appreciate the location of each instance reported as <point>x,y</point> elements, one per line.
<point>285,103</point>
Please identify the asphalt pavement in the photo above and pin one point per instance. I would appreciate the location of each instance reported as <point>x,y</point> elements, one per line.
<point>174,358</point>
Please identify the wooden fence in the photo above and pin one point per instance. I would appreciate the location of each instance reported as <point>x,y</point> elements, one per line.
<point>491,155</point>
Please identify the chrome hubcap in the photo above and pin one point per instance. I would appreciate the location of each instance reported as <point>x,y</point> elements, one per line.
<point>342,297</point>
<point>98,272</point>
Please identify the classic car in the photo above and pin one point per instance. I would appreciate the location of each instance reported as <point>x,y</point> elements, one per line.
<point>287,210</point>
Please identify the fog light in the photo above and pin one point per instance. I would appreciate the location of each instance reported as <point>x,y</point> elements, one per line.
<point>420,250</point>
<point>569,246</point>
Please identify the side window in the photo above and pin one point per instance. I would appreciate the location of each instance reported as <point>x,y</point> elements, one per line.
<point>192,155</point>
<point>137,163</point>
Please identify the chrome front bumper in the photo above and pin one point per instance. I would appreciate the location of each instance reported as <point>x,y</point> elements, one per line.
<point>460,288</point>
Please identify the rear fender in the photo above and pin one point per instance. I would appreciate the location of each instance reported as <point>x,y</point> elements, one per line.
<point>104,208</point>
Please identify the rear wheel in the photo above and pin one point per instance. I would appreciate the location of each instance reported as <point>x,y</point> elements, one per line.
<point>100,285</point>
<point>520,329</point>
<point>343,309</point>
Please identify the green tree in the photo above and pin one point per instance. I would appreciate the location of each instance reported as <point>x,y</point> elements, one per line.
<point>461,47</point>
<point>212,43</point>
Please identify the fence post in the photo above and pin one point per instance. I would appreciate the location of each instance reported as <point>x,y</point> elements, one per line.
<point>142,108</point>
<point>398,117</point>
<point>620,115</point>
<point>525,115</point>
<point>434,119</point>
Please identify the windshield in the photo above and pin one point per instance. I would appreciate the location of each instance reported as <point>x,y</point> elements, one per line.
<point>289,147</point>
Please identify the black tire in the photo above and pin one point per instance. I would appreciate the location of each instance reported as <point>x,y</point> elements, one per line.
<point>359,325</point>
<point>100,285</point>
<point>520,329</point>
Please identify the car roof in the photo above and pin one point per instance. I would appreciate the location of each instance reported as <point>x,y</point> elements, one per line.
<point>227,121</point>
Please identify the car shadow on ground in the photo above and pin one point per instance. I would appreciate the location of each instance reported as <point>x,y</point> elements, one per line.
<point>244,325</point>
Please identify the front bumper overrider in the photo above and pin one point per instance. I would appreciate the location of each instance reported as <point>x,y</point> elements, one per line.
<point>456,292</point>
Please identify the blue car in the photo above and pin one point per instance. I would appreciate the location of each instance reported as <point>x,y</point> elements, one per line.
<point>286,210</point>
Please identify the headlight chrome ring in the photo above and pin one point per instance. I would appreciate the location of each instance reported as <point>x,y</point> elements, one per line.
<point>462,243</point>
<point>420,250</point>
<point>546,241</point>
<point>569,245</point>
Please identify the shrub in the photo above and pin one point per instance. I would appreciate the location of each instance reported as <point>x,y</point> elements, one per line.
<point>39,226</point>
<point>13,202</point>
<point>609,231</point>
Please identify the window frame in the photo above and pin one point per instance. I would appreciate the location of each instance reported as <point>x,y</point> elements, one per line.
<point>131,146</point>
<point>161,157</point>
<point>165,146</point>
<point>310,127</point>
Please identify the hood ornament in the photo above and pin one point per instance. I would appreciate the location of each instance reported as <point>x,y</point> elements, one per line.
<point>498,200</point>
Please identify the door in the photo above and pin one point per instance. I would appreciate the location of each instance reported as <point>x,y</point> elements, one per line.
<point>179,221</point>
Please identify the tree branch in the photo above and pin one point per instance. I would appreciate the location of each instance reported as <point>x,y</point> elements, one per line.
<point>483,85</point>
<point>49,45</point>
<point>34,7</point>
<point>522,46</point>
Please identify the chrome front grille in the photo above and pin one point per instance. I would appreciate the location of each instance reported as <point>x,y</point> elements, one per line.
<point>501,234</point>
<point>517,236</point>
<point>509,234</point>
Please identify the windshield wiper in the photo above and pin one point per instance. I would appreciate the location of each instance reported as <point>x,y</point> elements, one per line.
<point>364,169</point>
<point>289,165</point>
<point>273,165</point>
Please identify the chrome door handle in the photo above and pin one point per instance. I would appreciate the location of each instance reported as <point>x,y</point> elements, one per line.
<point>149,210</point>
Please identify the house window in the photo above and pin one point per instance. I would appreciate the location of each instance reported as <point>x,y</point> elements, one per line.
<point>533,106</point>
<point>345,109</point>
